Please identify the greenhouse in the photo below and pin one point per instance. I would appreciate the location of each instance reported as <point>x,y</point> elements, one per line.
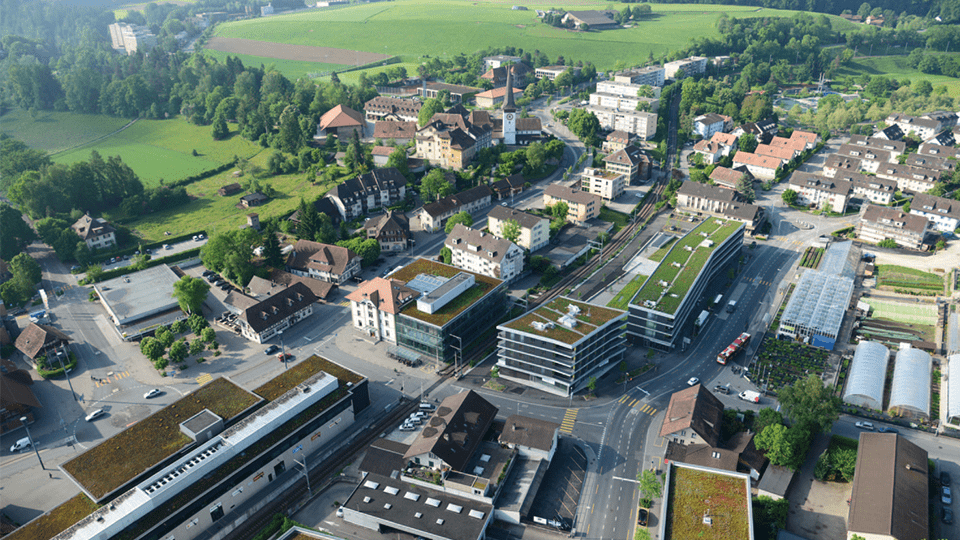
<point>953,390</point>
<point>910,393</point>
<point>867,374</point>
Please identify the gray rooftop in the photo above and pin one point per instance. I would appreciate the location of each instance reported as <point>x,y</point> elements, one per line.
<point>140,294</point>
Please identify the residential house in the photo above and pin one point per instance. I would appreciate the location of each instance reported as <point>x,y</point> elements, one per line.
<point>325,262</point>
<point>95,232</point>
<point>533,438</point>
<point>341,121</point>
<point>891,489</point>
<point>534,230</point>
<point>693,416</point>
<point>808,138</point>
<point>229,189</point>
<point>253,199</point>
<point>727,142</point>
<point>878,223</point>
<point>706,125</point>
<point>783,153</point>
<point>643,124</point>
<point>552,72</point>
<point>400,132</point>
<point>821,191</point>
<point>896,148</point>
<point>381,155</point>
<point>481,252</point>
<point>16,398</point>
<point>582,206</point>
<point>690,66</point>
<point>392,231</point>
<point>738,454</point>
<point>704,199</point>
<point>494,97</point>
<point>762,167</point>
<point>910,179</point>
<point>867,188</point>
<point>729,178</point>
<point>462,421</point>
<point>922,127</point>
<point>375,305</point>
<point>509,186</point>
<point>434,216</point>
<point>616,141</point>
<point>926,161</point>
<point>595,20</point>
<point>709,151</point>
<point>944,138</point>
<point>764,130</point>
<point>943,214</point>
<point>390,108</point>
<point>796,146</point>
<point>890,133</point>
<point>870,158</point>
<point>837,164</point>
<point>274,314</point>
<point>323,205</point>
<point>40,340</point>
<point>630,162</point>
<point>608,185</point>
<point>370,191</point>
<point>649,75</point>
<point>320,289</point>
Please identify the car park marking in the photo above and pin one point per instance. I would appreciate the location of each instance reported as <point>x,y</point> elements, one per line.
<point>204,379</point>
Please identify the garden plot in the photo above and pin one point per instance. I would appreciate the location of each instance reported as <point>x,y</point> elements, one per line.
<point>782,363</point>
<point>901,312</point>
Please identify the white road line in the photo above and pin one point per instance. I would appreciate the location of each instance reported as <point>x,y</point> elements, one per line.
<point>625,479</point>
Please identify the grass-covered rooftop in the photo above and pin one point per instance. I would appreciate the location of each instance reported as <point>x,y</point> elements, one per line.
<point>589,319</point>
<point>119,459</point>
<point>290,378</point>
<point>55,521</point>
<point>680,267</point>
<point>694,493</point>
<point>484,285</point>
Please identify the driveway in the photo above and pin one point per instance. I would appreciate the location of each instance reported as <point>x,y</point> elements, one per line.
<point>818,509</point>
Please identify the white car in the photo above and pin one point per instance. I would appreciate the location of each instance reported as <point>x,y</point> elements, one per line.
<point>152,393</point>
<point>340,512</point>
<point>865,425</point>
<point>94,415</point>
<point>693,381</point>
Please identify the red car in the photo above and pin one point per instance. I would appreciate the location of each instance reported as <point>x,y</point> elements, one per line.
<point>281,355</point>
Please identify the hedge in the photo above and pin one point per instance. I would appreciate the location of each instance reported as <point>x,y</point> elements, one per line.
<point>71,363</point>
<point>117,272</point>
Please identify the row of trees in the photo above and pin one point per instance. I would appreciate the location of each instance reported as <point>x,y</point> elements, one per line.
<point>22,285</point>
<point>164,341</point>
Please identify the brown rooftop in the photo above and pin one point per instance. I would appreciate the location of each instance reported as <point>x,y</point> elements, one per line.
<point>694,408</point>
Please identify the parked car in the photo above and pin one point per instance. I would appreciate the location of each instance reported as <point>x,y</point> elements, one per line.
<point>152,393</point>
<point>340,512</point>
<point>271,349</point>
<point>946,497</point>
<point>944,478</point>
<point>94,415</point>
<point>407,427</point>
<point>946,515</point>
<point>642,517</point>
<point>721,389</point>
<point>865,425</point>
<point>885,429</point>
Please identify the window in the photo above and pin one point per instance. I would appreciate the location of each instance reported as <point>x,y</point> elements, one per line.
<point>279,468</point>
<point>216,512</point>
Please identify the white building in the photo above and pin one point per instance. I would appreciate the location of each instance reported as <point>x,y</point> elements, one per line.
<point>484,253</point>
<point>534,230</point>
<point>131,38</point>
<point>694,65</point>
<point>642,124</point>
<point>650,75</point>
<point>375,305</point>
<point>943,214</point>
<point>707,124</point>
<point>608,185</point>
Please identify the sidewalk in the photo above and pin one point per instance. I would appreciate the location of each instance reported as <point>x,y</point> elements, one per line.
<point>653,449</point>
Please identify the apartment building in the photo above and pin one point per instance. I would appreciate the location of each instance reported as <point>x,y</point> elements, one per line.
<point>377,189</point>
<point>582,206</point>
<point>878,223</point>
<point>943,214</point>
<point>483,253</point>
<point>706,125</point>
<point>607,184</point>
<point>534,230</point>
<point>761,167</point>
<point>375,305</point>
<point>631,162</point>
<point>910,179</point>
<point>820,191</point>
<point>649,75</point>
<point>690,66</point>
<point>707,200</point>
<point>642,124</point>
<point>434,216</point>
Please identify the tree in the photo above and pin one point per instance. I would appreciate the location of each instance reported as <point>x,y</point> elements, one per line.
<point>650,485</point>
<point>446,255</point>
<point>230,252</point>
<point>940,245</point>
<point>197,346</point>
<point>536,156</point>
<point>209,334</point>
<point>94,273</point>
<point>592,383</point>
<point>290,138</point>
<point>178,351</point>
<point>429,108</point>
<point>164,336</point>
<point>220,128</point>
<point>783,446</point>
<point>271,250</point>
<point>510,229</point>
<point>398,160</point>
<point>367,248</point>
<point>434,185</point>
<point>810,404</point>
<point>585,125</point>
<point>789,197</point>
<point>888,243</point>
<point>559,210</point>
<point>463,217</point>
<point>748,142</point>
<point>26,268</point>
<point>766,417</point>
<point>197,323</point>
<point>16,233</point>
<point>769,516</point>
<point>190,293</point>
<point>152,348</point>
<point>745,188</point>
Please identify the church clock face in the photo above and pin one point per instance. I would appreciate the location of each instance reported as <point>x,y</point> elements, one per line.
<point>509,116</point>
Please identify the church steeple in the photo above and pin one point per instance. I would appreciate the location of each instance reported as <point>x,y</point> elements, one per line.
<point>508,104</point>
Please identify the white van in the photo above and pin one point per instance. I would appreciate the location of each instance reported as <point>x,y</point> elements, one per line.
<point>427,407</point>
<point>22,444</point>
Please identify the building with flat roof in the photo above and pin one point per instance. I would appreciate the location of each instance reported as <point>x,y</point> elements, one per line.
<point>890,489</point>
<point>705,503</point>
<point>560,346</point>
<point>642,124</point>
<point>453,305</point>
<point>141,301</point>
<point>661,308</point>
<point>607,184</point>
<point>649,75</point>
<point>690,66</point>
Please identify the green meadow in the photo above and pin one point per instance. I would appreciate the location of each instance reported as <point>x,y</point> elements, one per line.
<point>292,69</point>
<point>419,29</point>
<point>896,67</point>
<point>58,131</point>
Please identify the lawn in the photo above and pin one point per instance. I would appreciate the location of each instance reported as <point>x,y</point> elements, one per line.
<point>623,298</point>
<point>907,280</point>
<point>101,470</point>
<point>781,363</point>
<point>162,149</point>
<point>56,521</point>
<point>58,131</point>
<point>896,67</point>
<point>919,314</point>
<point>695,493</point>
<point>292,69</point>
<point>661,252</point>
<point>619,219</point>
<point>290,378</point>
<point>461,26</point>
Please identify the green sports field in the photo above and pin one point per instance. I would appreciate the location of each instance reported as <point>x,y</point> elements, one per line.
<point>419,29</point>
<point>292,69</point>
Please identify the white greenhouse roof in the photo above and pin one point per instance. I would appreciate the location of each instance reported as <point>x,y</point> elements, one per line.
<point>818,304</point>
<point>837,260</point>
<point>953,387</point>
<point>911,380</point>
<point>867,374</point>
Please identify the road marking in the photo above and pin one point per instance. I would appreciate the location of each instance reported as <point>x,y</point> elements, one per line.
<point>569,419</point>
<point>624,399</point>
<point>634,402</point>
<point>634,480</point>
<point>204,379</point>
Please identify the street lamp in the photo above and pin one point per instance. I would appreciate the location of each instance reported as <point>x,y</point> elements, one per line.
<point>67,375</point>
<point>23,420</point>
<point>283,350</point>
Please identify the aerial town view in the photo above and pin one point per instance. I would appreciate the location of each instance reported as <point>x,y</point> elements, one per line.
<point>475,270</point>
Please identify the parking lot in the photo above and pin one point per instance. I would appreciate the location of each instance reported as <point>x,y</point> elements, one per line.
<point>559,492</point>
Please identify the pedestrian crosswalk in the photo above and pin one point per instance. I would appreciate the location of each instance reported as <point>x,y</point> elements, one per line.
<point>345,303</point>
<point>637,402</point>
<point>758,281</point>
<point>110,378</point>
<point>569,419</point>
<point>204,379</point>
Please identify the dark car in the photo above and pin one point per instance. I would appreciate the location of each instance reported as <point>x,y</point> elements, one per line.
<point>721,389</point>
<point>884,429</point>
<point>642,516</point>
<point>946,515</point>
<point>944,478</point>
<point>271,349</point>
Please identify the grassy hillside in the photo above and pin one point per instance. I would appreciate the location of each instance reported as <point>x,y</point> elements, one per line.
<point>896,67</point>
<point>58,131</point>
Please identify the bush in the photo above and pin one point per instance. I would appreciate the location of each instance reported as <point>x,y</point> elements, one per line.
<point>43,364</point>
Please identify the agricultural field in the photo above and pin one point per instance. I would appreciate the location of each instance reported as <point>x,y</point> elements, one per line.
<point>459,26</point>
<point>58,131</point>
<point>162,149</point>
<point>292,69</point>
<point>905,280</point>
<point>782,363</point>
<point>902,312</point>
<point>896,67</point>
<point>811,257</point>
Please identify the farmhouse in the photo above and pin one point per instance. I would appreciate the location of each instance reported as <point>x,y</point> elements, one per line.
<point>95,232</point>
<point>595,20</point>
<point>341,121</point>
<point>254,199</point>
